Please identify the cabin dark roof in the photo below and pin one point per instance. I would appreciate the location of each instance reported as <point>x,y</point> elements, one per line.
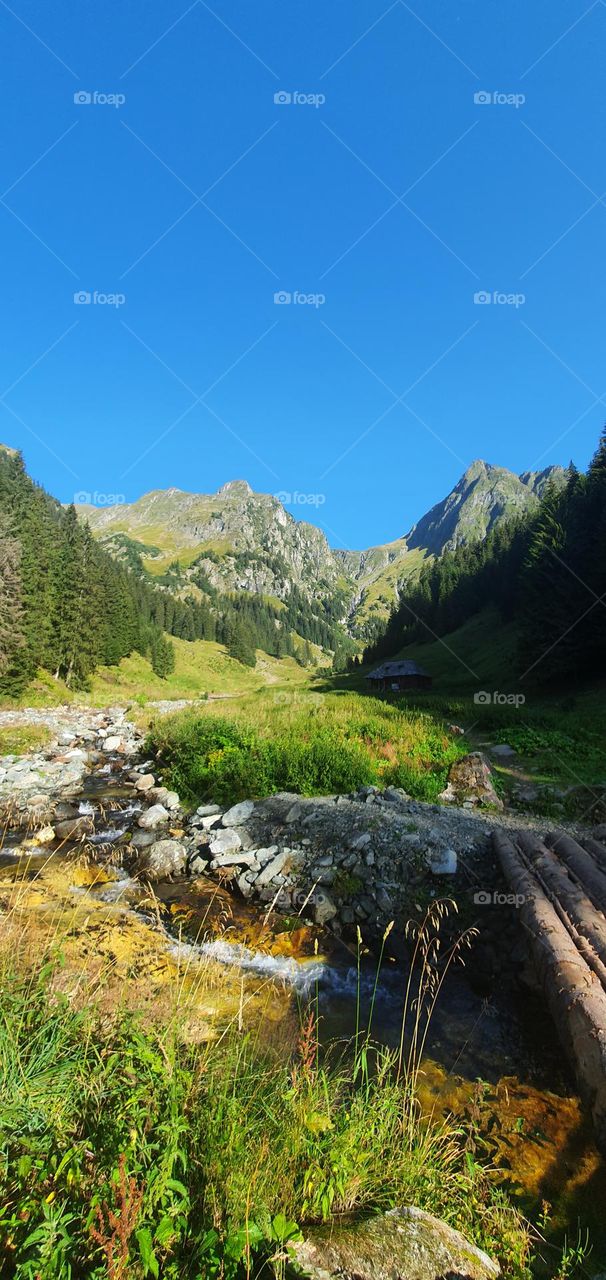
<point>404,668</point>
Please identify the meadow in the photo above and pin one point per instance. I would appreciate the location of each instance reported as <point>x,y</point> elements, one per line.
<point>307,742</point>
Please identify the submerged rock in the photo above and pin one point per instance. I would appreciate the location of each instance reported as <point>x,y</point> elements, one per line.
<point>74,828</point>
<point>404,1244</point>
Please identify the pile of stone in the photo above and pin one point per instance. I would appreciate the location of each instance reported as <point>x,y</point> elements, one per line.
<point>32,786</point>
<point>343,860</point>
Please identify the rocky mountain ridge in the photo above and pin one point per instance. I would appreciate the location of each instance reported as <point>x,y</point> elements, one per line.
<point>239,540</point>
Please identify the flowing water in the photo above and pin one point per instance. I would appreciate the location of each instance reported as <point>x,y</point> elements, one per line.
<point>492,1060</point>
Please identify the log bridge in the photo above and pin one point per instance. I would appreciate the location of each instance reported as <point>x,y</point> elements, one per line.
<point>560,889</point>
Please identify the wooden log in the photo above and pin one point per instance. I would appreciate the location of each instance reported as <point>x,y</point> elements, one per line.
<point>597,851</point>
<point>582,864</point>
<point>574,995</point>
<point>584,922</point>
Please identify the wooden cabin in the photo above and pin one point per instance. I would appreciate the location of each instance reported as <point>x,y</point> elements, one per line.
<point>398,677</point>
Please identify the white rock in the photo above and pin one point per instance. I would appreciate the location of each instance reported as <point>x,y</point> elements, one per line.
<point>164,858</point>
<point>145,782</point>
<point>44,835</point>
<point>443,862</point>
<point>272,868</point>
<point>227,841</point>
<point>238,814</point>
<point>153,817</point>
<point>205,810</point>
<point>112,744</point>
<point>237,859</point>
<point>210,820</point>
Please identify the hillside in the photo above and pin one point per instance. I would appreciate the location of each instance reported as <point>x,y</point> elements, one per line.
<point>239,541</point>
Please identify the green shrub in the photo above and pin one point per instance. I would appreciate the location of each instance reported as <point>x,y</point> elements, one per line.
<point>207,757</point>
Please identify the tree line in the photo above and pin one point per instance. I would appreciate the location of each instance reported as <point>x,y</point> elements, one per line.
<point>68,606</point>
<point>545,572</point>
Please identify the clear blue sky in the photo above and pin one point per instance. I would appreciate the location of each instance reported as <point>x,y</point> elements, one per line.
<point>397,198</point>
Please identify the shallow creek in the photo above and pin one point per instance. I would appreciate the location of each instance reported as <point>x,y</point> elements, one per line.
<point>493,1060</point>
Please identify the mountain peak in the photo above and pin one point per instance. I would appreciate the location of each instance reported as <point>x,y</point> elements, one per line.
<point>235,489</point>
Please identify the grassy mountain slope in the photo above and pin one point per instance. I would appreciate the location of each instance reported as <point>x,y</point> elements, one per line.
<point>244,541</point>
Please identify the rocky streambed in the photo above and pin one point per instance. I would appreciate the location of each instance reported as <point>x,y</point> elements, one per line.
<point>266,898</point>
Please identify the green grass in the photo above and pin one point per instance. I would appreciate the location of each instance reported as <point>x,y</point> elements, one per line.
<point>557,734</point>
<point>15,740</point>
<point>120,1144</point>
<point>201,666</point>
<point>306,742</point>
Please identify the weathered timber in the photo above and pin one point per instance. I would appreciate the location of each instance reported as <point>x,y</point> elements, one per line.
<point>574,995</point>
<point>597,851</point>
<point>582,864</point>
<point>584,922</point>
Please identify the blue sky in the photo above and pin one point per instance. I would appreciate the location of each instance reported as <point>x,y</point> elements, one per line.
<point>382,197</point>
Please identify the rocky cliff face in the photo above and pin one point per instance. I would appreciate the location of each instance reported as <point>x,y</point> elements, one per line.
<point>242,541</point>
<point>484,495</point>
<point>246,541</point>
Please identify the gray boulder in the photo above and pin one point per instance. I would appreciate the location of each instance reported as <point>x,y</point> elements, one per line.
<point>142,839</point>
<point>323,908</point>
<point>74,828</point>
<point>404,1244</point>
<point>238,814</point>
<point>164,858</point>
<point>442,862</point>
<point>272,868</point>
<point>153,817</point>
<point>227,841</point>
<point>145,782</point>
